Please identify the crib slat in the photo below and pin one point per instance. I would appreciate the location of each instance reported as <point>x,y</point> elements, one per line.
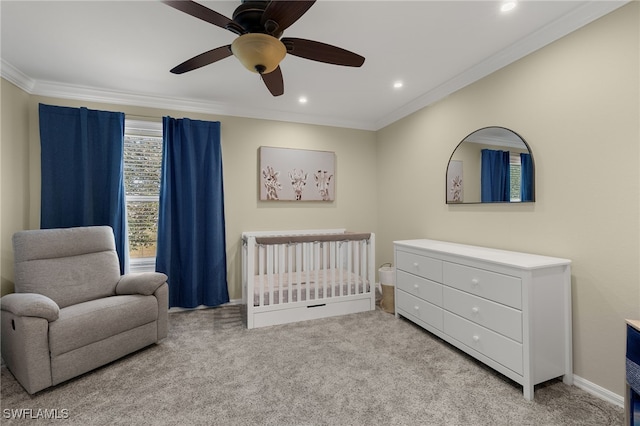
<point>261,266</point>
<point>316,270</point>
<point>248,297</point>
<point>353,268</point>
<point>357,280</point>
<point>340,265</point>
<point>349,264</point>
<point>270,273</point>
<point>289,274</point>
<point>298,270</point>
<point>276,273</point>
<point>345,267</point>
<point>356,267</point>
<point>307,268</point>
<point>332,266</point>
<point>363,271</point>
<point>281,273</point>
<point>325,270</point>
<point>363,266</point>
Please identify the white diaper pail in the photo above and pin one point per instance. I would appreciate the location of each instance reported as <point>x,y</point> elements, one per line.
<point>387,275</point>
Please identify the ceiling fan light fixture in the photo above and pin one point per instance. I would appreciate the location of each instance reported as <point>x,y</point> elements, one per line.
<point>259,53</point>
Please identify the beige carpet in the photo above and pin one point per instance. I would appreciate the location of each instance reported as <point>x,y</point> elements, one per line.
<point>361,369</point>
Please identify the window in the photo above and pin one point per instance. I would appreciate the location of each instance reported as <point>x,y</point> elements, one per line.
<point>142,167</point>
<point>515,167</point>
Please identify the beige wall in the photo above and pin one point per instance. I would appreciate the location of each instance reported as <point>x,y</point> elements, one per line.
<point>356,196</point>
<point>576,103</point>
<point>14,175</point>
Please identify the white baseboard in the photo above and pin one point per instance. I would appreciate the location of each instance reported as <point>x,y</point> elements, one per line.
<point>598,391</point>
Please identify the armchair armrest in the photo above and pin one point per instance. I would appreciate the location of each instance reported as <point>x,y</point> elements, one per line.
<point>140,283</point>
<point>30,305</point>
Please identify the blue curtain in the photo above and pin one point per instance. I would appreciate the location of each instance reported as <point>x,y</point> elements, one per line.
<point>191,228</point>
<point>526,172</point>
<point>82,170</point>
<point>495,177</point>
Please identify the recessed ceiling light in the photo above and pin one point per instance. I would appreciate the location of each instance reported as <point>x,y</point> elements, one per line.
<point>507,6</point>
<point>397,84</point>
<point>302,99</point>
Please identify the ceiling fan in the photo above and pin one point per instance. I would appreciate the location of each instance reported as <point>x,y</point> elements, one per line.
<point>259,25</point>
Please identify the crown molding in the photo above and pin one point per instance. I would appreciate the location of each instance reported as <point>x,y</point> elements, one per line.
<point>546,35</point>
<point>17,77</point>
<point>91,94</point>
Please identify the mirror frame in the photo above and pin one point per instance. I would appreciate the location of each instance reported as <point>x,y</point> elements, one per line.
<point>533,183</point>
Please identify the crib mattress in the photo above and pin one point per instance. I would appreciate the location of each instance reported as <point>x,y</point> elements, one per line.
<point>286,289</point>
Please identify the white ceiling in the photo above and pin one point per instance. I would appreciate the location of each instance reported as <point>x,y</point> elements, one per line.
<point>122,51</point>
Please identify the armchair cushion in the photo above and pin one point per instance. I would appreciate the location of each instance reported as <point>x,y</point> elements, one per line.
<point>141,283</point>
<point>85,323</point>
<point>71,265</point>
<point>30,305</point>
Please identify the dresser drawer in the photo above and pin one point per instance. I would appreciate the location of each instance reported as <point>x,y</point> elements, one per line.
<point>500,288</point>
<point>494,316</point>
<point>493,345</point>
<point>422,266</point>
<point>420,287</point>
<point>418,308</point>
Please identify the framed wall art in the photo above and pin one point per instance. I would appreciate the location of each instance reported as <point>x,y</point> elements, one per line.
<point>288,174</point>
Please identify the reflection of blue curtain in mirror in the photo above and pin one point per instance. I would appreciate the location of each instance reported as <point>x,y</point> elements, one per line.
<point>526,172</point>
<point>495,176</point>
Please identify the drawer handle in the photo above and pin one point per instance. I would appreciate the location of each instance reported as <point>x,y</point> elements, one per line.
<point>475,281</point>
<point>475,309</point>
<point>416,264</point>
<point>416,307</point>
<point>416,286</point>
<point>476,338</point>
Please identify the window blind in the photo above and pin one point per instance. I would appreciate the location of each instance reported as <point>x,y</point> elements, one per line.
<point>142,168</point>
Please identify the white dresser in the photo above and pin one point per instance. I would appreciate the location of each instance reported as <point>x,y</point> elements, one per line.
<point>510,310</point>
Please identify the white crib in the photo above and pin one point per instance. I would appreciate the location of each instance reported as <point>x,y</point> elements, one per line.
<point>290,276</point>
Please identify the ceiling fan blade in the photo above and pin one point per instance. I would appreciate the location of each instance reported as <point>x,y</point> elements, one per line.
<point>283,13</point>
<point>199,11</point>
<point>321,52</point>
<point>203,59</point>
<point>274,82</point>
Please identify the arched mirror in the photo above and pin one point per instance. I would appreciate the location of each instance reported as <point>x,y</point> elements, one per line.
<point>491,165</point>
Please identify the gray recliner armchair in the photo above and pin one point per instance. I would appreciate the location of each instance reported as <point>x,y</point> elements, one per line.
<point>72,311</point>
